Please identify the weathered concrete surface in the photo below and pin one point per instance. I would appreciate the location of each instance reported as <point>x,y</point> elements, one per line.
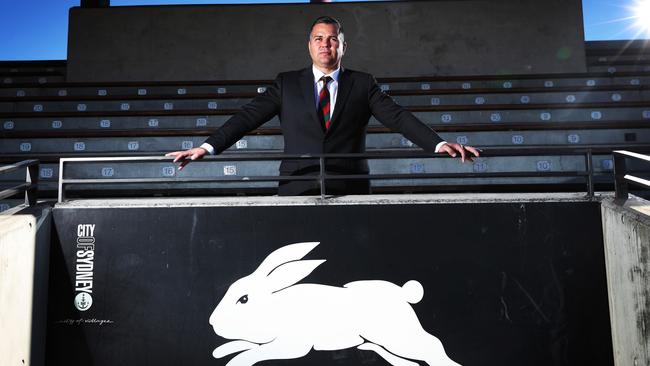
<point>24,270</point>
<point>412,38</point>
<point>626,232</point>
<point>17,243</point>
<point>375,199</point>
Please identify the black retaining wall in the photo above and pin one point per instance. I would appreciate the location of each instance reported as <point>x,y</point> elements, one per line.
<point>504,283</point>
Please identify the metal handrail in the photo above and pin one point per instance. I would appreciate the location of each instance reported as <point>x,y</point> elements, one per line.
<point>30,187</point>
<point>621,176</point>
<point>322,177</point>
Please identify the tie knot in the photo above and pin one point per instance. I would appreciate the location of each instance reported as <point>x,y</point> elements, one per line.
<point>326,79</point>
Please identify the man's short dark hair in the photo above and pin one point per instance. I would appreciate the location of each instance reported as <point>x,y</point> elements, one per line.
<point>327,20</point>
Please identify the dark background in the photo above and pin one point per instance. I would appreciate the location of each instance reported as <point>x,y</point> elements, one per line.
<point>505,284</point>
<point>387,39</point>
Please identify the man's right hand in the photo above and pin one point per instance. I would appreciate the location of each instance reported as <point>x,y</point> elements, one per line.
<point>187,155</point>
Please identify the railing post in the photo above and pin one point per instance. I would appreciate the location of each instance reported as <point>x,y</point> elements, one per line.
<point>620,184</point>
<point>321,176</point>
<point>31,179</point>
<point>590,174</point>
<point>61,185</point>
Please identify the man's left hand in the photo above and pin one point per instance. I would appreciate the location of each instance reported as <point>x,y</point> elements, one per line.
<point>453,149</point>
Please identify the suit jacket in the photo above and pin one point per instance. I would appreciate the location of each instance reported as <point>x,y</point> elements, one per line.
<point>292,98</point>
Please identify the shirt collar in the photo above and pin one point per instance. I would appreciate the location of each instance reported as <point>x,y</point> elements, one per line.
<point>319,74</point>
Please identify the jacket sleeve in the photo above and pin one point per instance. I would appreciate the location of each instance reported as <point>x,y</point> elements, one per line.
<point>252,115</point>
<point>400,120</point>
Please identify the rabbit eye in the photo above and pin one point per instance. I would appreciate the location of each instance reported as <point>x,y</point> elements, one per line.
<point>243,299</point>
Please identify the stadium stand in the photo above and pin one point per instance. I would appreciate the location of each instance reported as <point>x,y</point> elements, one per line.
<point>511,278</point>
<point>42,117</point>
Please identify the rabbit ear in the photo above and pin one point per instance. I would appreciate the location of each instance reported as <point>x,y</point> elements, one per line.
<point>290,273</point>
<point>287,253</point>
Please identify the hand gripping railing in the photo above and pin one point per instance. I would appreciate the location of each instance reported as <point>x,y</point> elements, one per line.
<point>621,176</point>
<point>30,187</point>
<point>322,177</point>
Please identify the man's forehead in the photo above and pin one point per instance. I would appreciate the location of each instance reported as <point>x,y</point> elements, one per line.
<point>325,30</point>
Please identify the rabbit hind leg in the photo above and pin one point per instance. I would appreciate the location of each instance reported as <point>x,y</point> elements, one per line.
<point>232,347</point>
<point>421,346</point>
<point>275,350</point>
<point>389,357</point>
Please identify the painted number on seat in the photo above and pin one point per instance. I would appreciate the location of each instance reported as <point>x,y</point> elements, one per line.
<point>230,170</point>
<point>543,166</point>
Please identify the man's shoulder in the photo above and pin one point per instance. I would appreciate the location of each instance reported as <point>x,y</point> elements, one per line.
<point>356,73</point>
<point>294,73</point>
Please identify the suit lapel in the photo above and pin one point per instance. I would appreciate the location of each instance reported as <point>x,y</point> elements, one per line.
<point>307,86</point>
<point>345,86</point>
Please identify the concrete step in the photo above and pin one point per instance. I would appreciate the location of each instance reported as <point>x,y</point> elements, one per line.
<point>418,100</point>
<point>615,69</point>
<point>9,80</point>
<point>441,120</point>
<point>216,88</point>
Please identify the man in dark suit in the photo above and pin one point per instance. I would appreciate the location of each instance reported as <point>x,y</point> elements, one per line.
<point>324,109</point>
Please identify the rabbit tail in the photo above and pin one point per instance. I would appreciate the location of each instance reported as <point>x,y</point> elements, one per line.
<point>413,291</point>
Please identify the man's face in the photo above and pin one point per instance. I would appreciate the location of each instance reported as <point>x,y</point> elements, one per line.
<point>326,46</point>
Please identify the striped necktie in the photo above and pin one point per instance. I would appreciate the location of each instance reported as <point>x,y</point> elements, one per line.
<point>324,102</point>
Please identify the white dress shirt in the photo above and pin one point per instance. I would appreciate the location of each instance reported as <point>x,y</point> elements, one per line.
<point>333,88</point>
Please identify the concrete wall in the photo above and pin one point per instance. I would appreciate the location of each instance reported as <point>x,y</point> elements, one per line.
<point>24,271</point>
<point>509,279</point>
<point>473,37</point>
<point>627,252</point>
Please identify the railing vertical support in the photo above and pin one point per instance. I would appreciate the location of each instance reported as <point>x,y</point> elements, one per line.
<point>61,185</point>
<point>620,183</point>
<point>321,177</point>
<point>590,174</point>
<point>32,180</point>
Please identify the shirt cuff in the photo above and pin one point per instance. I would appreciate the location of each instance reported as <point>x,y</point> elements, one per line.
<point>208,147</point>
<point>437,146</point>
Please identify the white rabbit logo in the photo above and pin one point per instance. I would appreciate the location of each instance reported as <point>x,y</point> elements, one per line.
<point>273,318</point>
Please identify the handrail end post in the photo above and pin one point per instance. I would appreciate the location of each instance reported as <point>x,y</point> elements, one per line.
<point>31,178</point>
<point>620,183</point>
<point>590,174</point>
